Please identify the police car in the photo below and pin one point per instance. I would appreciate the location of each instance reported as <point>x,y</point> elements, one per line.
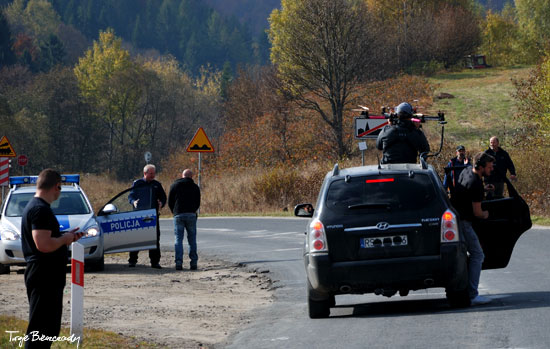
<point>118,227</point>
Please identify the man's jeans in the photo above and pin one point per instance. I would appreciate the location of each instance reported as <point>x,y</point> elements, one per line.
<point>476,258</point>
<point>182,222</point>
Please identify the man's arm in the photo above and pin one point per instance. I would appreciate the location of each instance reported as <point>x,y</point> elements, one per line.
<point>478,212</point>
<point>161,196</point>
<point>511,167</point>
<point>172,198</point>
<point>45,243</point>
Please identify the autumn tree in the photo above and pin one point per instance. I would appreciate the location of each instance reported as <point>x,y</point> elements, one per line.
<point>500,38</point>
<point>428,30</point>
<point>323,49</point>
<point>534,20</point>
<point>117,87</point>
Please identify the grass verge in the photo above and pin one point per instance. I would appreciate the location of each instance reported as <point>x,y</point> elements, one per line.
<point>92,338</point>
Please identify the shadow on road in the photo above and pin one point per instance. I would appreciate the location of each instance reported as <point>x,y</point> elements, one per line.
<point>507,301</point>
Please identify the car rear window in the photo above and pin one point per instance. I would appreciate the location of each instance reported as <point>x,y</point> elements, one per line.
<point>67,204</point>
<point>391,192</point>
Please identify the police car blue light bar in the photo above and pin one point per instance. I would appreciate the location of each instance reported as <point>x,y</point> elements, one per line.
<point>19,180</point>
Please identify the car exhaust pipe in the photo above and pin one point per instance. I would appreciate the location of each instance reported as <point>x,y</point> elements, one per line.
<point>345,288</point>
<point>429,282</point>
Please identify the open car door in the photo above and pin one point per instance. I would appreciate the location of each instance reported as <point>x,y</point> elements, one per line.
<point>126,228</point>
<point>508,219</point>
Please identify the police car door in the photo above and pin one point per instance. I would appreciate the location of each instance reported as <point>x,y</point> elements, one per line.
<point>126,228</point>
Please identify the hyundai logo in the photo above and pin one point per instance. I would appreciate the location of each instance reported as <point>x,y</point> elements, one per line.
<point>383,226</point>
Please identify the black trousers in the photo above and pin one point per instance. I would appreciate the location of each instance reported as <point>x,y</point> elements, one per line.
<point>154,254</point>
<point>46,306</point>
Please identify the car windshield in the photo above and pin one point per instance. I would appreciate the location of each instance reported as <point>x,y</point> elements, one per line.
<point>68,203</point>
<point>387,192</point>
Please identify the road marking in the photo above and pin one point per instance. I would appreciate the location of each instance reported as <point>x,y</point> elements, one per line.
<point>269,236</point>
<point>216,229</point>
<point>257,231</point>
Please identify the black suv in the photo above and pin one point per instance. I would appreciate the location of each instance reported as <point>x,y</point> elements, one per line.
<point>391,228</point>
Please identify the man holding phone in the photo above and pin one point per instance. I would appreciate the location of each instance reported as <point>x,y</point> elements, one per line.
<point>45,250</point>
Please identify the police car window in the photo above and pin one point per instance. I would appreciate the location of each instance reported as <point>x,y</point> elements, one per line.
<point>17,204</point>
<point>381,193</point>
<point>70,203</point>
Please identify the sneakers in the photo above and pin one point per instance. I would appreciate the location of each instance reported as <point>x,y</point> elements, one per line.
<point>132,264</point>
<point>179,267</point>
<point>479,300</point>
<point>156,266</point>
<point>193,267</point>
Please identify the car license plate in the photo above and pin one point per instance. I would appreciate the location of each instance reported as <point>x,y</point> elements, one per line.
<point>384,241</point>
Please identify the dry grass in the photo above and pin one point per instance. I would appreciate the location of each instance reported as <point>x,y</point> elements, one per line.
<point>93,338</point>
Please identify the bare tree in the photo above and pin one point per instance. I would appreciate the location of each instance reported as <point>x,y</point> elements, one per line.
<point>323,49</point>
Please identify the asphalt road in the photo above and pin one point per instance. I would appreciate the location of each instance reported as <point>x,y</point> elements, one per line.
<point>518,316</point>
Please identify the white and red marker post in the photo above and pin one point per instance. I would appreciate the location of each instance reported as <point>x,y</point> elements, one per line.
<point>77,290</point>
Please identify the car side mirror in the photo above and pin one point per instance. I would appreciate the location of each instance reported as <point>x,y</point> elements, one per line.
<point>109,208</point>
<point>304,210</point>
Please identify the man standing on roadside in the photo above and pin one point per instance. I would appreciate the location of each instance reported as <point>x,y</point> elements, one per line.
<point>503,164</point>
<point>184,201</point>
<point>467,200</point>
<point>458,163</point>
<point>153,198</point>
<point>46,253</point>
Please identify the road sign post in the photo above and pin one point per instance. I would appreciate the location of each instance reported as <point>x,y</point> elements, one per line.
<point>22,160</point>
<point>77,291</point>
<point>200,144</point>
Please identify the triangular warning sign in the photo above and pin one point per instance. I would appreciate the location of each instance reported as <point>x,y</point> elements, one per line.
<point>6,150</point>
<point>200,143</point>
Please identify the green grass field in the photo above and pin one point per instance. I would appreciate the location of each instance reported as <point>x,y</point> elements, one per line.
<point>482,105</point>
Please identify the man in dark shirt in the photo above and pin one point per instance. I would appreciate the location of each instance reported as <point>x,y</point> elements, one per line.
<point>458,164</point>
<point>45,251</point>
<point>146,199</point>
<point>401,143</point>
<point>503,164</point>
<point>184,200</point>
<point>467,200</point>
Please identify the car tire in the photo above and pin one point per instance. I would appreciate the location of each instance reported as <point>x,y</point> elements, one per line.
<point>99,265</point>
<point>458,299</point>
<point>318,309</point>
<point>4,269</point>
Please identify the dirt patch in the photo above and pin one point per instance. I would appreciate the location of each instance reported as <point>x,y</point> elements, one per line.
<point>176,309</point>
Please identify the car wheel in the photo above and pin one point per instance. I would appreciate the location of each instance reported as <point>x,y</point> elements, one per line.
<point>4,269</point>
<point>318,309</point>
<point>99,265</point>
<point>458,299</point>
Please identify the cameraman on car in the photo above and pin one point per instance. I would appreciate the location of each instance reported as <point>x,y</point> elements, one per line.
<point>401,142</point>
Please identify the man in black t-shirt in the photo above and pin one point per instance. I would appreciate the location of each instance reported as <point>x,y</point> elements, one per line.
<point>467,200</point>
<point>45,251</point>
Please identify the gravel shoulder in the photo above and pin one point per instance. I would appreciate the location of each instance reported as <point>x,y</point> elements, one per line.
<point>175,309</point>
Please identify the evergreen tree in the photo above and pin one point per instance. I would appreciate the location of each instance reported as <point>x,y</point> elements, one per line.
<point>6,54</point>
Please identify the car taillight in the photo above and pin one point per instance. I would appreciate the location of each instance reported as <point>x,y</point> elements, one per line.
<point>317,237</point>
<point>449,227</point>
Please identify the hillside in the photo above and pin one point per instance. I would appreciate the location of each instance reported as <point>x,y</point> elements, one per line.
<point>252,12</point>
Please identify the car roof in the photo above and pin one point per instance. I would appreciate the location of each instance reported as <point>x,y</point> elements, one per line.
<point>375,169</point>
<point>32,189</point>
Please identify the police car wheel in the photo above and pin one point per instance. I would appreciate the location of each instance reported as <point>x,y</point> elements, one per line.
<point>4,269</point>
<point>99,265</point>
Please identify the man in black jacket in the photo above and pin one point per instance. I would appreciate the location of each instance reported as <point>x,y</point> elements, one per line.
<point>503,164</point>
<point>148,193</point>
<point>401,142</point>
<point>184,200</point>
